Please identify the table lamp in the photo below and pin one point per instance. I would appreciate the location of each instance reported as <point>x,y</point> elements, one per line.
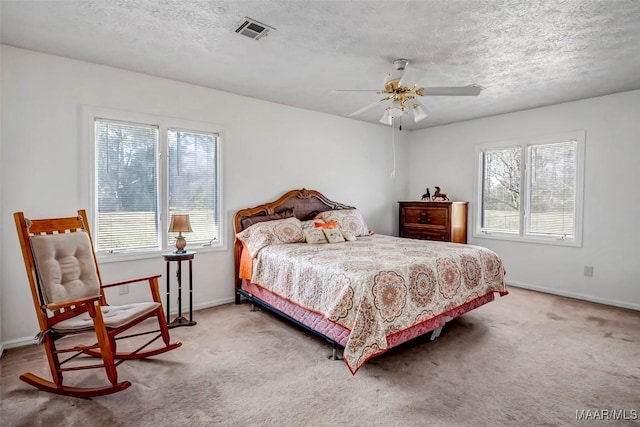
<point>180,223</point>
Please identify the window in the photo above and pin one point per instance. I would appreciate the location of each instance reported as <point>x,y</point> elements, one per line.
<point>193,171</point>
<point>531,190</point>
<point>145,169</point>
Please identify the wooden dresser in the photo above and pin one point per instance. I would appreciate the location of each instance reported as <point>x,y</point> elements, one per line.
<point>442,221</point>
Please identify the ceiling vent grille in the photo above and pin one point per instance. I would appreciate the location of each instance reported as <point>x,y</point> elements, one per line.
<point>253,29</point>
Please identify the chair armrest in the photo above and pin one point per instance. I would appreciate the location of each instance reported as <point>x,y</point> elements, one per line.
<point>126,282</point>
<point>153,285</point>
<point>66,304</point>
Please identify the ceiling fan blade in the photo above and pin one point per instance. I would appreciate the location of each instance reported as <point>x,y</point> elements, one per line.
<point>368,107</point>
<point>411,76</point>
<point>354,90</point>
<point>471,90</point>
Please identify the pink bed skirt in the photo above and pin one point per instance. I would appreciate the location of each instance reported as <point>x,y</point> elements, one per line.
<point>340,334</point>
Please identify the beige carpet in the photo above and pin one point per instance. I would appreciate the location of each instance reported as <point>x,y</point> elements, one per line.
<point>526,359</point>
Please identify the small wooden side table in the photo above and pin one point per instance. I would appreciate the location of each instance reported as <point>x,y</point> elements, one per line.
<point>170,257</point>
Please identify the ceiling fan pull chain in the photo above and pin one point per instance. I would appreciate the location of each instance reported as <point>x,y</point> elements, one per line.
<point>392,175</point>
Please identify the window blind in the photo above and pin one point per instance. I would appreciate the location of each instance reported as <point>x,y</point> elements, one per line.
<point>126,185</point>
<point>552,187</point>
<point>193,185</point>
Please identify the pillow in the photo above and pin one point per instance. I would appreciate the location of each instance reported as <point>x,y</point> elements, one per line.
<point>333,235</point>
<point>274,232</point>
<point>284,213</point>
<point>322,224</point>
<point>349,220</point>
<point>314,236</point>
<point>348,236</point>
<point>310,224</point>
<point>66,268</point>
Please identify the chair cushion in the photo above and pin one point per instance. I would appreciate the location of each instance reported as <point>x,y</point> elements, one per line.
<point>114,316</point>
<point>66,266</point>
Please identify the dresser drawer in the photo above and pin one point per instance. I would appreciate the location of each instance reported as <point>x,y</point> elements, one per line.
<point>434,216</point>
<point>425,234</point>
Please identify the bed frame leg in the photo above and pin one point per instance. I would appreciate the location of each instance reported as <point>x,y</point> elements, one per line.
<point>435,333</point>
<point>334,354</point>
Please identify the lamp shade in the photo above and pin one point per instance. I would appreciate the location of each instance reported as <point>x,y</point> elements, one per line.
<point>419,113</point>
<point>180,223</point>
<point>396,109</point>
<point>386,118</point>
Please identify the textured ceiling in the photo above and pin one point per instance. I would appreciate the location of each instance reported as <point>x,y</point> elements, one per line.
<point>525,53</point>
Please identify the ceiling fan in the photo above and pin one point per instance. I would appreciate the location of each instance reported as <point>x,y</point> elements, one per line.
<point>403,96</point>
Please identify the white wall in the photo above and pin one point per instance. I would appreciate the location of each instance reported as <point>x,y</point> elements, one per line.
<point>1,228</point>
<point>268,150</point>
<point>444,156</point>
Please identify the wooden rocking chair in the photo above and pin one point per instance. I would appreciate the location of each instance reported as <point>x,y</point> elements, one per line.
<point>68,296</point>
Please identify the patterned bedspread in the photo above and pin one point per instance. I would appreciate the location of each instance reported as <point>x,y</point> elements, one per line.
<point>378,285</point>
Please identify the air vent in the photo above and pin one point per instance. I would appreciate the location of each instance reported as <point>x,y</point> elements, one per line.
<point>253,29</point>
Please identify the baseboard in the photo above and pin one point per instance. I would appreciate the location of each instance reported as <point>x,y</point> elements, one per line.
<point>214,303</point>
<point>574,295</point>
<point>25,341</point>
<point>18,342</point>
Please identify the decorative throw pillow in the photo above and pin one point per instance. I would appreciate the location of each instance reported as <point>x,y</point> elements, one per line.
<point>267,233</point>
<point>310,224</point>
<point>314,236</point>
<point>334,235</point>
<point>349,220</point>
<point>321,224</point>
<point>348,236</point>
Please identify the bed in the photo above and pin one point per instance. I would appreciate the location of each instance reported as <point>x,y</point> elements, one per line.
<point>364,293</point>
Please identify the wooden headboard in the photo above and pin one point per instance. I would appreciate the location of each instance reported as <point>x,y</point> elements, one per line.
<point>305,203</point>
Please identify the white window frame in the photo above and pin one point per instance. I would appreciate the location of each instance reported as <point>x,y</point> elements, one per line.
<point>164,124</point>
<point>525,183</point>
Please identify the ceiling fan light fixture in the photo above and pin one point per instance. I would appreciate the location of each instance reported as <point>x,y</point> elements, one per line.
<point>419,113</point>
<point>386,119</point>
<point>395,112</point>
<point>395,109</point>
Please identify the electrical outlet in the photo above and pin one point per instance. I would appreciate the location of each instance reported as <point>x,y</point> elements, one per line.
<point>123,290</point>
<point>588,271</point>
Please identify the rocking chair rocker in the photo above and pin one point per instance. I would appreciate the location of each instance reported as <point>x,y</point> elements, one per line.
<point>68,296</point>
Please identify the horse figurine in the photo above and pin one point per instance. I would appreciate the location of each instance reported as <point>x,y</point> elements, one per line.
<point>427,195</point>
<point>437,194</point>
